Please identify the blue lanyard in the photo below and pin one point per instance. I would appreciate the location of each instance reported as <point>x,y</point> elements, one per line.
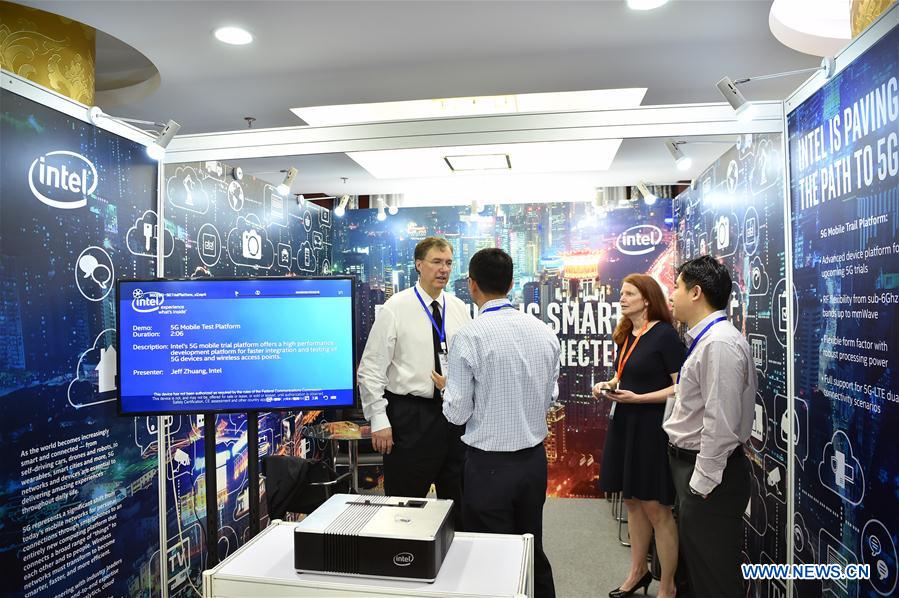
<point>696,340</point>
<point>498,307</point>
<point>441,330</point>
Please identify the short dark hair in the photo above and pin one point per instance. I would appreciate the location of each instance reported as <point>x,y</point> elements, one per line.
<point>491,268</point>
<point>428,243</point>
<point>711,276</point>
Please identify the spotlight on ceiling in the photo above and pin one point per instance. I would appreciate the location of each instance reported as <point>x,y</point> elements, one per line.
<point>284,187</point>
<point>233,36</point>
<point>382,215</point>
<point>649,198</point>
<point>746,110</point>
<point>300,198</point>
<point>680,160</point>
<point>340,210</point>
<point>392,207</point>
<point>164,136</point>
<point>156,150</point>
<point>645,4</point>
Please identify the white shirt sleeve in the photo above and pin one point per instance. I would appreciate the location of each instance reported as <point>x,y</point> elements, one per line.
<point>372,372</point>
<point>722,379</point>
<point>458,398</point>
<point>555,394</point>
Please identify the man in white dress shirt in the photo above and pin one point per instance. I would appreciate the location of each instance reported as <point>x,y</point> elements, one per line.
<point>710,421</point>
<point>503,369</point>
<point>409,340</point>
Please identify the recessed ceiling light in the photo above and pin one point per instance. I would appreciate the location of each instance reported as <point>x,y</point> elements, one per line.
<point>234,36</point>
<point>479,162</point>
<point>645,4</point>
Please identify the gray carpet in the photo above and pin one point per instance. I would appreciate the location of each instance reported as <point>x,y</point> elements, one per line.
<point>580,538</point>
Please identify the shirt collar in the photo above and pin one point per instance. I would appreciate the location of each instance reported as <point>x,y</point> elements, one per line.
<point>493,303</point>
<point>427,298</point>
<point>694,332</point>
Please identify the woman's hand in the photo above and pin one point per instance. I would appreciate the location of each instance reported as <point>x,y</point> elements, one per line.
<point>623,396</point>
<point>598,389</point>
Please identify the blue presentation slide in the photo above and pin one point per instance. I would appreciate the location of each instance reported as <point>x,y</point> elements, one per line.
<point>235,345</point>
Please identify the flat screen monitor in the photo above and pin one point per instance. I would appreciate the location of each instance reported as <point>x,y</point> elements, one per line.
<point>234,345</point>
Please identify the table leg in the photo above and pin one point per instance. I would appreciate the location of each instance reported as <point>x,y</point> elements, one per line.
<point>354,465</point>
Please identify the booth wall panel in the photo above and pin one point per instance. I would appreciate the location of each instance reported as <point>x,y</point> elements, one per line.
<point>568,267</point>
<point>212,220</point>
<point>78,487</point>
<point>734,212</point>
<point>845,218</point>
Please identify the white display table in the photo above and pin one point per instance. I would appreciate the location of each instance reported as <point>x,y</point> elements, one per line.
<point>476,566</point>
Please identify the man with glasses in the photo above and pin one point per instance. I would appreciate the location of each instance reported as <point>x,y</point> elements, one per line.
<point>407,342</point>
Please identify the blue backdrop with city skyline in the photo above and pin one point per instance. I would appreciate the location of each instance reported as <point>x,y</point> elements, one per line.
<point>569,261</point>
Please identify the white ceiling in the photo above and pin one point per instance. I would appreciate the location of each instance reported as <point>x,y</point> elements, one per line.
<point>340,52</point>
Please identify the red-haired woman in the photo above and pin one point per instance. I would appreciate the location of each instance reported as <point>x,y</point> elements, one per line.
<point>635,458</point>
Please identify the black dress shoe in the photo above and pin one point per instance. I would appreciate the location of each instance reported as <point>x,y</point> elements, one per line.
<point>643,583</point>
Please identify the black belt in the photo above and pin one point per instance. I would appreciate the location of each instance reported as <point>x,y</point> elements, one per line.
<point>690,455</point>
<point>393,396</point>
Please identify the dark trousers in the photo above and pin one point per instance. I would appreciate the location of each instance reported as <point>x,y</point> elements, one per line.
<point>504,494</point>
<point>427,450</point>
<point>710,530</point>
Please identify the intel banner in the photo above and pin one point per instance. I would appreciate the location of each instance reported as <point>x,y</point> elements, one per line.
<point>569,260</point>
<point>844,190</point>
<point>78,488</point>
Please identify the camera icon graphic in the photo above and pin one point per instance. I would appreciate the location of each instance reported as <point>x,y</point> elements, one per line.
<point>251,244</point>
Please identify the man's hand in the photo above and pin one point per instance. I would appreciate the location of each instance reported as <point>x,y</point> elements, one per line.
<point>382,441</point>
<point>439,381</point>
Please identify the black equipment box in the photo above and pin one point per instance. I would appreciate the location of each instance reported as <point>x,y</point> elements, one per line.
<point>375,536</point>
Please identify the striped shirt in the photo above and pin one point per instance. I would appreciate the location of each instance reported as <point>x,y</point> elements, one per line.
<point>502,379</point>
<point>714,401</point>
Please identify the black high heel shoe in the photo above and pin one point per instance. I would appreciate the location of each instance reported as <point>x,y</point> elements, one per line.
<point>643,583</point>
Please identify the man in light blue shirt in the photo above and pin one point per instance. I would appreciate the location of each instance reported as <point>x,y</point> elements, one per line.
<point>503,369</point>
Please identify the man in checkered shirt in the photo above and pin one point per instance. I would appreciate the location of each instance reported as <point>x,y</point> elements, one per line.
<point>503,369</point>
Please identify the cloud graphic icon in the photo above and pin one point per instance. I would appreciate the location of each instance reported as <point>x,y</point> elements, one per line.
<point>143,236</point>
<point>248,244</point>
<point>756,513</point>
<point>185,190</point>
<point>306,260</point>
<point>839,470</point>
<point>95,373</point>
<point>758,277</point>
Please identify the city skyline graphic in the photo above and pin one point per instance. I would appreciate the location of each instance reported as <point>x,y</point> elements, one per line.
<point>569,260</point>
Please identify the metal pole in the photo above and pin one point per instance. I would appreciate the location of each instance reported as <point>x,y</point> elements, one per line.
<point>253,469</point>
<point>212,509</point>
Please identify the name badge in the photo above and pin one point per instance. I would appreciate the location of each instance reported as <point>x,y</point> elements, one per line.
<point>444,363</point>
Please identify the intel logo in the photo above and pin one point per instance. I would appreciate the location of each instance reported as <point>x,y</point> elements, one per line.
<point>639,240</point>
<point>403,559</point>
<point>62,179</point>
<point>146,302</point>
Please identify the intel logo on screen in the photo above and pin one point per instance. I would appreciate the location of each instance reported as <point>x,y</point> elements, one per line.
<point>403,559</point>
<point>62,179</point>
<point>639,240</point>
<point>146,302</point>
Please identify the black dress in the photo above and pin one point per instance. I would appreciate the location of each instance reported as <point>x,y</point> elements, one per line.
<point>635,457</point>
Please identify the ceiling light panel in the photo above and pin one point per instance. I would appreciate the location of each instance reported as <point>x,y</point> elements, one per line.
<point>557,156</point>
<point>602,99</point>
